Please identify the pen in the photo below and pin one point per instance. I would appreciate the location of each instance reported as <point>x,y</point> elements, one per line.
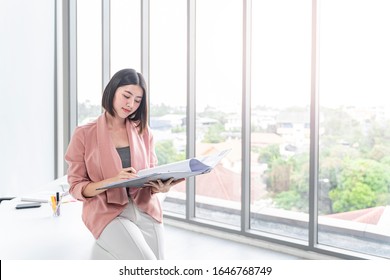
<point>58,203</point>
<point>131,170</point>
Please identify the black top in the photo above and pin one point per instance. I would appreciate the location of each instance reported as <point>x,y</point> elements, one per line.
<point>124,154</point>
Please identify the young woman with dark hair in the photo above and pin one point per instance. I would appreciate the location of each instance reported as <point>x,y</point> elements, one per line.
<point>126,222</point>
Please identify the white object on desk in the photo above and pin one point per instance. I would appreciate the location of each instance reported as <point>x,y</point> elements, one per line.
<point>33,199</point>
<point>35,234</point>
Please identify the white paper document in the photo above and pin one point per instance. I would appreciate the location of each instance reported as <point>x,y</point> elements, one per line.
<point>177,170</point>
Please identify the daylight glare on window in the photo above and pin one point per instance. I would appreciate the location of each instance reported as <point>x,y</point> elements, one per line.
<point>347,76</point>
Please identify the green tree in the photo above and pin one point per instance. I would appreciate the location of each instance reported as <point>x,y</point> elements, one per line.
<point>269,154</point>
<point>279,176</point>
<point>354,171</point>
<point>213,113</point>
<point>295,197</point>
<point>214,134</point>
<point>363,183</point>
<point>166,152</point>
<point>360,196</point>
<point>288,200</point>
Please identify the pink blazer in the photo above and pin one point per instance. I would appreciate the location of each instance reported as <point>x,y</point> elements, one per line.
<point>92,157</point>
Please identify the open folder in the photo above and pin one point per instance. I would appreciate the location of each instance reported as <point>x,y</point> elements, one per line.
<point>177,170</point>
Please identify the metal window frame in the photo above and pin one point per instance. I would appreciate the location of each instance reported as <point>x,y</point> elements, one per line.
<point>66,84</point>
<point>145,40</point>
<point>191,103</point>
<point>65,78</point>
<point>314,140</point>
<point>245,231</point>
<point>106,40</point>
<point>246,116</point>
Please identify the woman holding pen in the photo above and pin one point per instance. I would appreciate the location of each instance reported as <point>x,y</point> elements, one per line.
<point>126,222</point>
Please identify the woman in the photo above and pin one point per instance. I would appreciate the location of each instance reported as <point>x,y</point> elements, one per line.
<point>126,222</point>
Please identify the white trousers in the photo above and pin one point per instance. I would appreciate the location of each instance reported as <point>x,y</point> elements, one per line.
<point>133,235</point>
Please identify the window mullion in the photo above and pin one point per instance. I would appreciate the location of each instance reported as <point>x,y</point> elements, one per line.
<point>246,113</point>
<point>191,98</point>
<point>314,127</point>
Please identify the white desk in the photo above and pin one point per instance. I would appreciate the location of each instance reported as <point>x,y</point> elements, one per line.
<point>35,234</point>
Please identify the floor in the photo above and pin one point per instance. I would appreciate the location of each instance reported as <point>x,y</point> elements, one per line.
<point>187,244</point>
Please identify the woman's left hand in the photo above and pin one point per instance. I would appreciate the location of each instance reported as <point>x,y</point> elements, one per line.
<point>162,186</point>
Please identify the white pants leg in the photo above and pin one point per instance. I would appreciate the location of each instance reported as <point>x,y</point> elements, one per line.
<point>133,235</point>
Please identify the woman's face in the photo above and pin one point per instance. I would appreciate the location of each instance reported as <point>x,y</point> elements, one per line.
<point>127,100</point>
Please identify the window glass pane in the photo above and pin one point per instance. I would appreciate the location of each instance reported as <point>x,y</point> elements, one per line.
<point>89,60</point>
<point>218,107</point>
<point>280,110</point>
<point>354,175</point>
<point>125,37</point>
<point>168,88</point>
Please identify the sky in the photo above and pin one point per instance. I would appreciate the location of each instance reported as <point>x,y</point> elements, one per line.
<point>353,58</point>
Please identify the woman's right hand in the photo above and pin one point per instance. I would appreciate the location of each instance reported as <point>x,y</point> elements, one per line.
<point>126,173</point>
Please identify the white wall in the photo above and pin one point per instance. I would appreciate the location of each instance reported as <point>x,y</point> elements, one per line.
<point>26,95</point>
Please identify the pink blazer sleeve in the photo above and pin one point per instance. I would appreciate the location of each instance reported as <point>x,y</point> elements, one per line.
<point>152,154</point>
<point>77,172</point>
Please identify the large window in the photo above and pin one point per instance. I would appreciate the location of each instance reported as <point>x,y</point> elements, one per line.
<point>89,60</point>
<point>312,76</point>
<point>280,117</point>
<point>354,171</point>
<point>168,88</point>
<point>125,35</point>
<point>218,107</point>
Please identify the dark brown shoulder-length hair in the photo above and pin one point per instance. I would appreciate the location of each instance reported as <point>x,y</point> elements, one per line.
<point>122,78</point>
